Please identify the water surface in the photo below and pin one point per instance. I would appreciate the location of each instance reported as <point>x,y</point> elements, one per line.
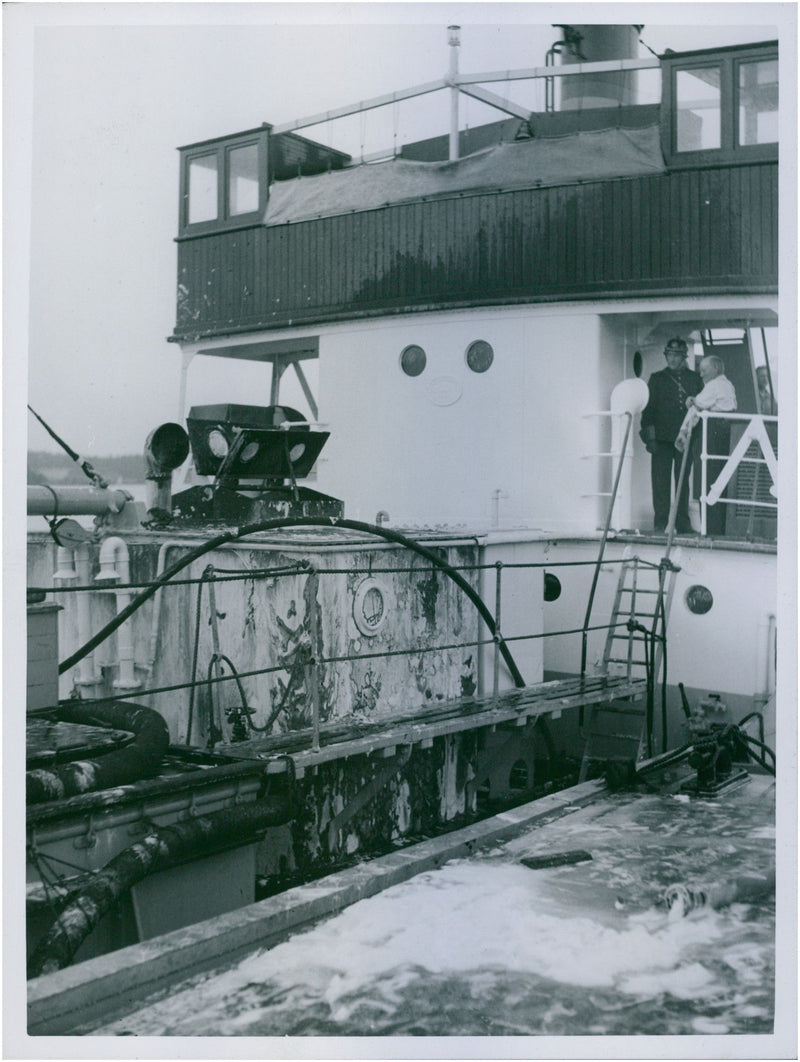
<point>486,946</point>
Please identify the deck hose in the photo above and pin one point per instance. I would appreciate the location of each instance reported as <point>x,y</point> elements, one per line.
<point>164,846</point>
<point>299,521</point>
<point>140,759</point>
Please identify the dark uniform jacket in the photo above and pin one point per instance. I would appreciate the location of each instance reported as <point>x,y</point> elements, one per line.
<point>666,407</point>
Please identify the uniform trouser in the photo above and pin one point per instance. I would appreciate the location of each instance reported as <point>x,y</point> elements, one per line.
<point>666,464</point>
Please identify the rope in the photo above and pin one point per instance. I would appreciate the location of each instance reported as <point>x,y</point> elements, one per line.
<point>86,467</point>
<point>647,46</point>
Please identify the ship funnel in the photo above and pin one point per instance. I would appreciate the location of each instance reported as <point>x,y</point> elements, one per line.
<point>596,44</point>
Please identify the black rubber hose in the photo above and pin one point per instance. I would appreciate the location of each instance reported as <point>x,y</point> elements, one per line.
<point>162,847</point>
<point>140,759</point>
<point>748,740</point>
<point>300,521</point>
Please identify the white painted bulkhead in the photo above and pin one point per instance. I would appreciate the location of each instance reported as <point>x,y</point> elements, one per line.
<point>451,447</point>
<point>729,650</point>
<point>521,445</point>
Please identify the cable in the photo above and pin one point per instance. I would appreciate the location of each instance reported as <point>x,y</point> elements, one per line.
<point>86,467</point>
<point>300,521</point>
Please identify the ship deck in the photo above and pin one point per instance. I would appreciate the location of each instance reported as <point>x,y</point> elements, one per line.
<point>355,737</point>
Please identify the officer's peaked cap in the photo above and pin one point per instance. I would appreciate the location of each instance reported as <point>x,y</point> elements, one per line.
<point>676,345</point>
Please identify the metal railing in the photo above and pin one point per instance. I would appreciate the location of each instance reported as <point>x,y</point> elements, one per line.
<point>723,490</point>
<point>308,658</point>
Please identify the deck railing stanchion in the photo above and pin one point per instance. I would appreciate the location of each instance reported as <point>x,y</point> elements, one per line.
<point>312,668</point>
<point>215,730</point>
<point>498,637</point>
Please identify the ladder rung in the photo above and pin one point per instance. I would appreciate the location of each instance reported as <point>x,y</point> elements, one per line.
<point>636,590</point>
<point>625,660</point>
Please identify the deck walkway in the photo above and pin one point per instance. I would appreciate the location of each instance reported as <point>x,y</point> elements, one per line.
<point>349,737</point>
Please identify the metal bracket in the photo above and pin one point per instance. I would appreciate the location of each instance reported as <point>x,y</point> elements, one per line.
<point>90,840</point>
<point>191,811</point>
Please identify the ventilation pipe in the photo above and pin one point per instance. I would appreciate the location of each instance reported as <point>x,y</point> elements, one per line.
<point>166,448</point>
<point>115,568</point>
<point>73,565</point>
<point>597,44</point>
<point>75,501</point>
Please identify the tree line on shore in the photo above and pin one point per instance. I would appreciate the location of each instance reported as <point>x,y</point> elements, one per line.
<point>44,467</point>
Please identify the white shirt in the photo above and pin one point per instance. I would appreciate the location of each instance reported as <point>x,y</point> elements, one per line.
<point>718,395</point>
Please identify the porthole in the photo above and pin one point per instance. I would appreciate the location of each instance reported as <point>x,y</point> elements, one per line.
<point>370,606</point>
<point>637,364</point>
<point>480,355</point>
<point>413,360</point>
<point>699,599</point>
<point>552,587</point>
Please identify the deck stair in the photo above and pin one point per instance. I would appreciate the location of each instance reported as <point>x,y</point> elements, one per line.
<point>616,731</point>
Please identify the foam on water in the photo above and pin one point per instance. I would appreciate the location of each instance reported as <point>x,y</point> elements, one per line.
<point>477,921</point>
<point>488,946</point>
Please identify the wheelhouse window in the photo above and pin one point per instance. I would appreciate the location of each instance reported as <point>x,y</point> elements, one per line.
<point>698,111</point>
<point>243,179</point>
<point>203,195</point>
<point>720,106</point>
<point>758,102</point>
<point>224,183</point>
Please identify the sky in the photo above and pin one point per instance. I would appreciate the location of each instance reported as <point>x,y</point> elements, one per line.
<point>98,97</point>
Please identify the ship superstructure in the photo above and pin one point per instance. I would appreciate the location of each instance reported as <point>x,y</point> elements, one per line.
<point>422,580</point>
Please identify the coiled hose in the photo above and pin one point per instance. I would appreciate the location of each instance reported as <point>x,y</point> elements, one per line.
<point>140,759</point>
<point>162,847</point>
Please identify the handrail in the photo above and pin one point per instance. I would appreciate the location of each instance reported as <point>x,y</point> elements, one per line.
<point>316,660</point>
<point>755,431</point>
<point>228,576</point>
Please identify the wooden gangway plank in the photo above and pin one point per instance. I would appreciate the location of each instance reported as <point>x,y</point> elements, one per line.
<point>357,737</point>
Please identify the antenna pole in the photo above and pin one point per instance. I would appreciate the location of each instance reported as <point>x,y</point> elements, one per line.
<point>454,40</point>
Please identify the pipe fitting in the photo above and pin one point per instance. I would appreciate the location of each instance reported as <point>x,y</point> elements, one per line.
<point>114,561</point>
<point>115,568</point>
<point>65,565</point>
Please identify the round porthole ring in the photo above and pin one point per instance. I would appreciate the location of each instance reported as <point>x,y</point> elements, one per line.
<point>363,591</point>
<point>479,356</point>
<point>699,599</point>
<point>552,587</point>
<point>413,360</point>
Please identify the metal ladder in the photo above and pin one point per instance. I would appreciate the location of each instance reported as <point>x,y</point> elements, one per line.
<point>616,731</point>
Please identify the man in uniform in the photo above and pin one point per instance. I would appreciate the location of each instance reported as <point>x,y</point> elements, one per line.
<point>661,421</point>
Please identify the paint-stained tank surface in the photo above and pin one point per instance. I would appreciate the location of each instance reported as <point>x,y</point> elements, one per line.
<point>371,617</point>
